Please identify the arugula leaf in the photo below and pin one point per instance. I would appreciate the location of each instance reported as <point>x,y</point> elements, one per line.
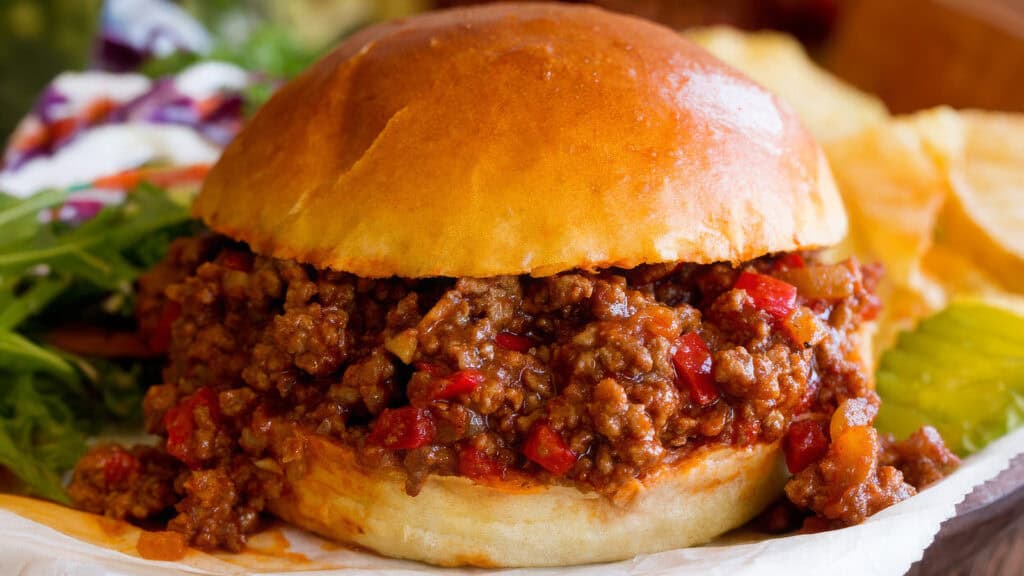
<point>93,250</point>
<point>117,386</point>
<point>39,436</point>
<point>20,218</point>
<point>269,49</point>
<point>50,400</point>
<point>16,308</point>
<point>17,353</point>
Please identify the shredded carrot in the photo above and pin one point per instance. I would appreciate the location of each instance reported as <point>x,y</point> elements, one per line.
<point>34,139</point>
<point>98,110</point>
<point>183,175</point>
<point>120,181</point>
<point>161,177</point>
<point>209,105</point>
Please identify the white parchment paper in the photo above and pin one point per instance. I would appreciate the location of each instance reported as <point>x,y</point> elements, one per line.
<point>888,543</point>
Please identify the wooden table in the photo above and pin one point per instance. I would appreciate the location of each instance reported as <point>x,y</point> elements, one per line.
<point>986,537</point>
<point>916,54</point>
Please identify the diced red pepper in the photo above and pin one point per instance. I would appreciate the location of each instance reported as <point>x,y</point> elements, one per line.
<point>119,466</point>
<point>805,443</point>
<point>790,260</point>
<point>545,447</point>
<point>180,424</point>
<point>477,464</point>
<point>462,382</point>
<point>236,260</point>
<point>159,340</point>
<point>403,428</point>
<point>772,295</point>
<point>516,342</point>
<point>692,360</point>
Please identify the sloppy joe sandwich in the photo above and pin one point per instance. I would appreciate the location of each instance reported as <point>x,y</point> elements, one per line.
<point>513,285</point>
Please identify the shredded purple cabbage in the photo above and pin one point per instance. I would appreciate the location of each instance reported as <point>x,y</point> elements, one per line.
<point>46,102</point>
<point>133,31</point>
<point>113,55</point>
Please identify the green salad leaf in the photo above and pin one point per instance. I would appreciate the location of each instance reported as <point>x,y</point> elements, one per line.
<point>94,250</point>
<point>53,400</point>
<point>961,371</point>
<point>270,50</point>
<point>39,437</point>
<point>18,306</point>
<point>19,218</point>
<point>19,354</point>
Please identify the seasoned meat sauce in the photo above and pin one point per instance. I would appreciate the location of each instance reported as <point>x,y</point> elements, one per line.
<point>591,379</point>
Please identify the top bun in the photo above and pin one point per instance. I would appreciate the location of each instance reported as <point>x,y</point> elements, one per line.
<point>521,139</point>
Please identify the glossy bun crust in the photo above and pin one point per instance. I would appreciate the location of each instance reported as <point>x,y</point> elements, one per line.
<point>454,522</point>
<point>512,139</point>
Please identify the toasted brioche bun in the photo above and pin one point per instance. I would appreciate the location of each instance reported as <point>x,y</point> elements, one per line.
<point>455,522</point>
<point>521,139</point>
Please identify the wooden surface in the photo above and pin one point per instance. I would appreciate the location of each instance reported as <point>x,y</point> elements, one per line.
<point>917,54</point>
<point>986,538</point>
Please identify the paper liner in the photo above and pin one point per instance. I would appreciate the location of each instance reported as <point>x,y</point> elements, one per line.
<point>42,539</point>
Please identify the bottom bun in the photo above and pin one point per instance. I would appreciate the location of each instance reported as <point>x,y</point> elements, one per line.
<point>454,521</point>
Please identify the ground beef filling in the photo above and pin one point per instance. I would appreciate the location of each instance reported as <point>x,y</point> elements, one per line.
<point>588,379</point>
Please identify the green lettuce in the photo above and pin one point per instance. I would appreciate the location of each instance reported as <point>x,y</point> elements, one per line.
<point>50,271</point>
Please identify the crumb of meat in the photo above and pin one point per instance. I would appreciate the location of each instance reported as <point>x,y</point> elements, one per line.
<point>220,506</point>
<point>848,484</point>
<point>922,458</point>
<point>125,484</point>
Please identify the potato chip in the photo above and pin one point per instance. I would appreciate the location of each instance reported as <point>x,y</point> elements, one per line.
<point>959,273</point>
<point>830,108</point>
<point>985,217</point>
<point>935,196</point>
<point>894,183</point>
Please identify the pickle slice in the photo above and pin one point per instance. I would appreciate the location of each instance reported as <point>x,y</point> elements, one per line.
<point>961,371</point>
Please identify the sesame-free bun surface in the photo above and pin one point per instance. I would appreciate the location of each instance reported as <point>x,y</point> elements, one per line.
<point>511,139</point>
<point>454,522</point>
